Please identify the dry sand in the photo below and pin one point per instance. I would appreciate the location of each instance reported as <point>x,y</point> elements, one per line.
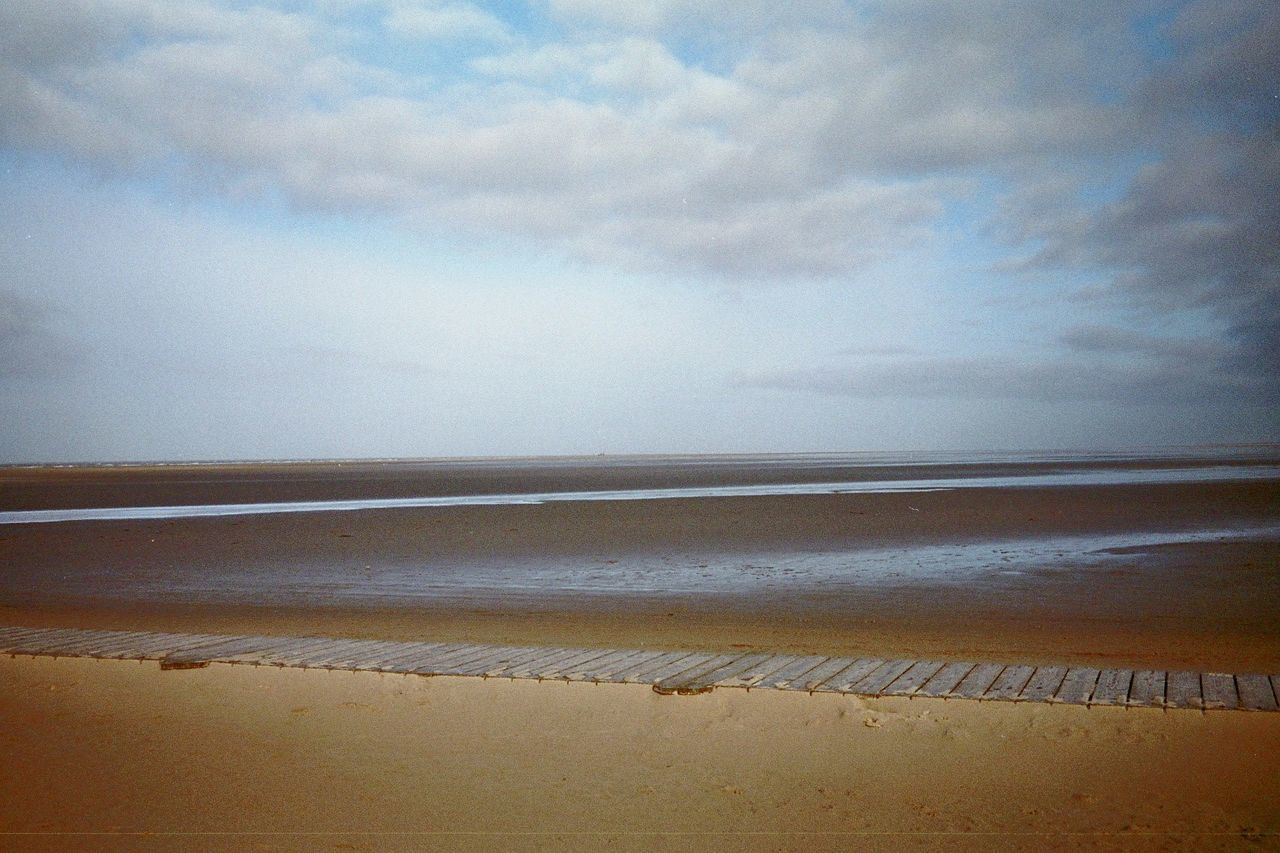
<point>237,757</point>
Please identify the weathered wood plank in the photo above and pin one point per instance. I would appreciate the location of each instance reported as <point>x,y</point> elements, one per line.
<point>1256,693</point>
<point>369,656</point>
<point>1182,690</point>
<point>793,670</point>
<point>121,640</point>
<point>914,678</point>
<point>1010,683</point>
<point>550,665</point>
<point>41,643</point>
<point>326,655</point>
<point>287,653</point>
<point>1044,682</point>
<point>843,681</point>
<point>684,681</point>
<point>434,663</point>
<point>732,669</point>
<point>1275,686</point>
<point>637,672</point>
<point>1113,687</point>
<point>820,674</point>
<point>532,658</point>
<point>979,679</point>
<point>71,646</point>
<point>874,683</point>
<point>409,664</point>
<point>225,651</point>
<point>403,651</point>
<point>591,658</point>
<point>20,636</point>
<point>1077,686</point>
<point>1147,688</point>
<point>362,656</point>
<point>946,680</point>
<point>1219,691</point>
<point>582,658</point>
<point>754,674</point>
<point>502,658</point>
<point>475,663</point>
<point>675,668</point>
<point>602,669</point>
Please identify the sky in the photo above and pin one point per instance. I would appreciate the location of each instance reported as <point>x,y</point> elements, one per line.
<point>372,228</point>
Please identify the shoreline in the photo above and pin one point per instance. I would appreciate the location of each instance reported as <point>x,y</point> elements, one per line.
<point>857,574</point>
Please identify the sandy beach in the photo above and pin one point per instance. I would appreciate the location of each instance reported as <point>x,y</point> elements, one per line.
<point>238,757</point>
<point>1159,574</point>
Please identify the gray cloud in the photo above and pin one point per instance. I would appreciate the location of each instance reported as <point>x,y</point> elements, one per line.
<point>811,151</point>
<point>1165,382</point>
<point>30,348</point>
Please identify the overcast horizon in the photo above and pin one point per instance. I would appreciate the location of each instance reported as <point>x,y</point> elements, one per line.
<point>383,228</point>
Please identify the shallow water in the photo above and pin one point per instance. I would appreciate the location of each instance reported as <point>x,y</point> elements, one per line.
<point>984,564</point>
<point>1083,477</point>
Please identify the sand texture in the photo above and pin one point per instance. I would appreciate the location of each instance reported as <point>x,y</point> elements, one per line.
<point>250,758</point>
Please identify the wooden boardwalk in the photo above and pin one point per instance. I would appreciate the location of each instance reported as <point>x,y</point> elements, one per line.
<point>680,672</point>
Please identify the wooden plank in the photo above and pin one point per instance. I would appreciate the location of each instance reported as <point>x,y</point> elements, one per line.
<point>497,657</point>
<point>1256,693</point>
<point>379,651</point>
<point>874,683</point>
<point>1275,686</point>
<point>662,673</point>
<point>1112,687</point>
<point>634,673</point>
<point>507,658</point>
<point>820,674</point>
<point>1010,683</point>
<point>366,651</point>
<point>842,681</point>
<point>39,644</point>
<point>601,669</point>
<point>754,674</point>
<point>1182,690</point>
<point>549,665</point>
<point>1077,686</point>
<point>504,657</point>
<point>1044,682</point>
<point>914,678</point>
<point>407,651</point>
<point>411,663</point>
<point>71,646</point>
<point>579,658</point>
<point>138,646</point>
<point>121,640</point>
<point>729,670</point>
<point>19,636</point>
<point>978,680</point>
<point>222,651</point>
<point>790,672</point>
<point>288,652</point>
<point>324,653</point>
<point>434,662</point>
<point>1219,691</point>
<point>946,680</point>
<point>684,681</point>
<point>1147,688</point>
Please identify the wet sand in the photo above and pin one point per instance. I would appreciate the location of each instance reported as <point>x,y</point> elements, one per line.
<point>1040,575</point>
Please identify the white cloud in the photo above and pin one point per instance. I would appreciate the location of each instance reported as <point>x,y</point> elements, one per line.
<point>440,21</point>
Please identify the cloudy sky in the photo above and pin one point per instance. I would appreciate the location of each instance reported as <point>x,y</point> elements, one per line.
<point>235,229</point>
